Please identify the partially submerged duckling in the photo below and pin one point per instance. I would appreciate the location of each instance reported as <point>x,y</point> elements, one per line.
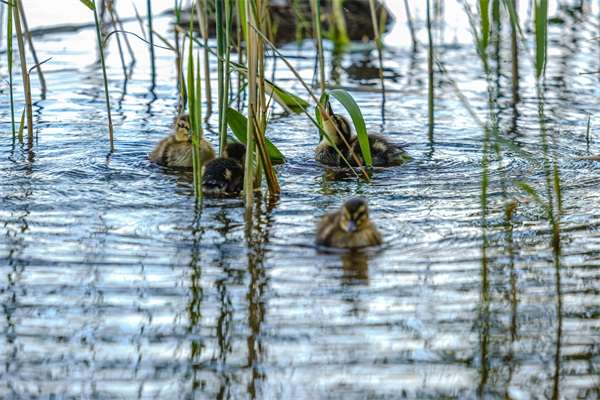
<point>224,176</point>
<point>349,227</point>
<point>339,131</point>
<point>176,149</point>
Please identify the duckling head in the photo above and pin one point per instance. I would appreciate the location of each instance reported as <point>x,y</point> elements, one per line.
<point>182,128</point>
<point>236,151</point>
<point>335,125</point>
<point>354,215</point>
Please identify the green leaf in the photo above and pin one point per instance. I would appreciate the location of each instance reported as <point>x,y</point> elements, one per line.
<point>484,10</point>
<point>357,119</point>
<point>541,29</point>
<point>238,124</point>
<point>288,100</point>
<point>89,4</point>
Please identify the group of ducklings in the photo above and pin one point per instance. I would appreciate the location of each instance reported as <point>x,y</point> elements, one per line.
<point>347,228</point>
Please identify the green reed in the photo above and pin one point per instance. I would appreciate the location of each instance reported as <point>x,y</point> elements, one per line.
<point>411,27</point>
<point>194,101</point>
<point>9,55</point>
<point>430,87</point>
<point>24,72</point>
<point>202,10</point>
<point>151,40</point>
<point>338,26</point>
<point>318,36</point>
<point>223,27</point>
<point>91,4</point>
<point>541,36</point>
<point>29,39</point>
<point>377,28</point>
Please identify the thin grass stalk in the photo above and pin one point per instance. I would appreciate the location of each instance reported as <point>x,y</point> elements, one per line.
<point>318,36</point>
<point>25,74</point>
<point>514,53</point>
<point>379,44</point>
<point>151,39</point>
<point>430,91</point>
<point>240,52</point>
<point>105,78</point>
<point>32,48</point>
<point>182,98</point>
<point>411,27</point>
<point>9,55</point>
<point>252,64</point>
<point>261,116</point>
<point>194,100</point>
<point>587,133</point>
<point>541,36</point>
<point>221,43</point>
<point>203,20</point>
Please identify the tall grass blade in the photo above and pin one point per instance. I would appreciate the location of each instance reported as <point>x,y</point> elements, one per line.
<point>339,23</point>
<point>151,39</point>
<point>378,43</point>
<point>9,54</point>
<point>203,20</point>
<point>430,93</point>
<point>541,36</point>
<point>484,10</point>
<point>24,74</point>
<point>36,61</point>
<point>318,36</point>
<point>194,100</point>
<point>105,78</point>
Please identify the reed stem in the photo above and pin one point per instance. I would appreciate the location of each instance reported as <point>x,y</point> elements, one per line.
<point>318,36</point>
<point>252,62</point>
<point>9,55</point>
<point>379,44</point>
<point>430,91</point>
<point>32,48</point>
<point>25,74</point>
<point>411,27</point>
<point>151,40</point>
<point>105,78</point>
<point>203,20</point>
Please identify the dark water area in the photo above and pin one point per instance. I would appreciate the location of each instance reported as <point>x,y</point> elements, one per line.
<point>112,284</point>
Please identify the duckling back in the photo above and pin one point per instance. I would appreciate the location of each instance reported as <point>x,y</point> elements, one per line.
<point>383,152</point>
<point>223,177</point>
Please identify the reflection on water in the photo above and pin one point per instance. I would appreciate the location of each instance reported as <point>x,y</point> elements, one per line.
<point>112,284</point>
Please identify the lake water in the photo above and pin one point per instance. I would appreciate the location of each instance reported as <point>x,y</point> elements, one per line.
<point>112,285</point>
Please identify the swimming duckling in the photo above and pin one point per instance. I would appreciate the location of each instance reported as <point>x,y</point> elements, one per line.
<point>338,128</point>
<point>349,227</point>
<point>224,176</point>
<point>176,149</point>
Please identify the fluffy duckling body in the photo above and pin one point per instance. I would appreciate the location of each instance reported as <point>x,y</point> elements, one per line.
<point>224,176</point>
<point>349,227</point>
<point>339,131</point>
<point>175,150</point>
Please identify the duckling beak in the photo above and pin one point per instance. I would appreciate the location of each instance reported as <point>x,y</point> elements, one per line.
<point>351,227</point>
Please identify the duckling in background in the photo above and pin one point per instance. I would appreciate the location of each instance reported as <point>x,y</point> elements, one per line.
<point>176,149</point>
<point>383,152</point>
<point>224,176</point>
<point>349,227</point>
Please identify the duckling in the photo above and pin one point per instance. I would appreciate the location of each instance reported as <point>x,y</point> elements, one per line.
<point>325,153</point>
<point>337,127</point>
<point>224,176</point>
<point>176,149</point>
<point>349,227</point>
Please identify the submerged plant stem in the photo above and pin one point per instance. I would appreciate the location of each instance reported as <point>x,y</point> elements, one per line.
<point>430,92</point>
